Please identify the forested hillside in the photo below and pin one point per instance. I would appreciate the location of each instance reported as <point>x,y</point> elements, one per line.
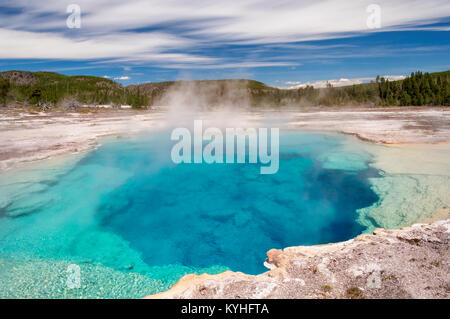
<point>56,90</point>
<point>418,89</point>
<point>52,88</point>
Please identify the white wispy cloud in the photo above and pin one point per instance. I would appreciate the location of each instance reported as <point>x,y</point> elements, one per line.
<point>34,45</point>
<point>122,78</point>
<point>394,77</point>
<point>337,82</point>
<point>168,31</point>
<point>233,65</point>
<point>323,83</point>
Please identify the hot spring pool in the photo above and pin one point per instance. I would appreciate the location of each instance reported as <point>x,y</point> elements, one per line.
<point>135,222</point>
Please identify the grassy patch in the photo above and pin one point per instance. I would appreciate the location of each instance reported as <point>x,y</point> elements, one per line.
<point>354,293</point>
<point>326,288</point>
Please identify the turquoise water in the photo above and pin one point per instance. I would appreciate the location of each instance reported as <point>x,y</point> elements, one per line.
<point>135,222</point>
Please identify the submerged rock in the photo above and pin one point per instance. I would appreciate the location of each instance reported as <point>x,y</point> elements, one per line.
<point>411,262</point>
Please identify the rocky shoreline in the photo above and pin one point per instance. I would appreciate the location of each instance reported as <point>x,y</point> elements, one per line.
<point>411,262</point>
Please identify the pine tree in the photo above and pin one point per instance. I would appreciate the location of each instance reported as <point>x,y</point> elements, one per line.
<point>405,99</point>
<point>36,95</point>
<point>4,89</point>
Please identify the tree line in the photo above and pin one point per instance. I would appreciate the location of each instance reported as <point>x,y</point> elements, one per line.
<point>53,89</point>
<point>418,89</point>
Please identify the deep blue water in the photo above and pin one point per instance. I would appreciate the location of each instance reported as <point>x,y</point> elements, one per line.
<point>127,201</point>
<point>203,215</point>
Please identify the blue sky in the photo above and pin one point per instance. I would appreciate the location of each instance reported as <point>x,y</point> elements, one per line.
<point>283,43</point>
